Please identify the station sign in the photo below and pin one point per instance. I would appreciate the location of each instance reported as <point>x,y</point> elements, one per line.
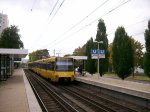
<point>97,54</point>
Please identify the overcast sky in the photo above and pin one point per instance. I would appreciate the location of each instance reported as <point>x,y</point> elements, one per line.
<point>73,22</point>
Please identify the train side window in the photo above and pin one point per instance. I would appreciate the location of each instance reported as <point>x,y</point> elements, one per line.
<point>53,65</point>
<point>45,66</point>
<point>37,65</point>
<point>50,66</point>
<point>40,65</point>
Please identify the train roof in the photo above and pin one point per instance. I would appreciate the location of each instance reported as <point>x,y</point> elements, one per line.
<point>51,59</point>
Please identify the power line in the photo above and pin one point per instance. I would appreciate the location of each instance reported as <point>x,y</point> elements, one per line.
<point>94,20</point>
<point>133,24</point>
<point>57,10</point>
<point>81,20</point>
<point>86,16</point>
<point>135,34</point>
<point>53,8</point>
<point>51,18</point>
<point>71,35</point>
<point>109,11</point>
<point>119,6</point>
<point>138,22</point>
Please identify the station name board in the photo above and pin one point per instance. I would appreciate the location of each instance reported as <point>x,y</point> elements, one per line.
<point>97,54</point>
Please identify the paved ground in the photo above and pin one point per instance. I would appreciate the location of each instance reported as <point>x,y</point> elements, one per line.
<point>15,96</point>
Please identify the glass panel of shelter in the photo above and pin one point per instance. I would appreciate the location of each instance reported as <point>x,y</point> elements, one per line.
<point>5,67</point>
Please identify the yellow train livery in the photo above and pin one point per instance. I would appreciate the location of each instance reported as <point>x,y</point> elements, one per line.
<point>56,69</point>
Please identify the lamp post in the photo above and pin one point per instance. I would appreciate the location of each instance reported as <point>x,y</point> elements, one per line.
<point>98,54</point>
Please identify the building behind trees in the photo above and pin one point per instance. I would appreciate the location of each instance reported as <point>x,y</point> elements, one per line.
<point>3,22</point>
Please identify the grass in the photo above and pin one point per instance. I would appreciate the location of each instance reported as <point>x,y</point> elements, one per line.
<point>137,76</point>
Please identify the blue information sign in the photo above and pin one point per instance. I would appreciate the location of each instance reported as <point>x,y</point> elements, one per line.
<point>95,51</point>
<point>96,54</point>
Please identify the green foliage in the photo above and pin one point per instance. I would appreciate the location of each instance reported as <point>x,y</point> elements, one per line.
<point>147,54</point>
<point>10,38</point>
<point>122,53</point>
<point>138,47</point>
<point>90,63</point>
<point>39,54</point>
<point>80,51</point>
<point>67,55</point>
<point>147,64</point>
<point>102,36</point>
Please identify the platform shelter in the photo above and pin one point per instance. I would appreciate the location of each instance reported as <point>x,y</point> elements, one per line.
<point>7,59</point>
<point>79,62</point>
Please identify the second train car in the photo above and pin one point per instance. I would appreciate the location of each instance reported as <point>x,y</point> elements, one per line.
<point>57,69</point>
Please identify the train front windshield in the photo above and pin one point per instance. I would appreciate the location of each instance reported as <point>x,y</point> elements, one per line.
<point>64,65</point>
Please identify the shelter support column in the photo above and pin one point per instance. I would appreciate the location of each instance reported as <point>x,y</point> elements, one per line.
<point>3,68</point>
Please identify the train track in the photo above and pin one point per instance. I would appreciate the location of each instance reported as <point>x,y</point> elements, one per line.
<point>84,99</point>
<point>99,101</point>
<point>49,99</point>
<point>119,105</point>
<point>72,98</point>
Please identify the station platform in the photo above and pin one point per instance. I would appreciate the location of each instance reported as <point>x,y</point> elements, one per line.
<point>16,94</point>
<point>137,92</point>
<point>138,89</point>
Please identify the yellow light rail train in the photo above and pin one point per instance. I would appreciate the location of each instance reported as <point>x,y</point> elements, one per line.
<point>56,69</point>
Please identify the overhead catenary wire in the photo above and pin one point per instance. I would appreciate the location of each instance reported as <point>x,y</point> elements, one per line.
<point>57,11</point>
<point>91,22</point>
<point>81,20</point>
<point>95,20</point>
<point>141,21</point>
<point>53,8</point>
<point>109,11</point>
<point>84,19</point>
<point>132,35</point>
<point>86,16</point>
<point>49,17</point>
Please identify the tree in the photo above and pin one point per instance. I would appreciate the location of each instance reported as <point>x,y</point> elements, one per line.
<point>138,47</point>
<point>10,38</point>
<point>102,36</point>
<point>90,63</point>
<point>32,56</point>
<point>38,54</point>
<point>122,53</point>
<point>147,53</point>
<point>66,55</point>
<point>80,51</point>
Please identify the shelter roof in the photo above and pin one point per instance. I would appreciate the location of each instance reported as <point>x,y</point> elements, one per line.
<point>17,53</point>
<point>79,57</point>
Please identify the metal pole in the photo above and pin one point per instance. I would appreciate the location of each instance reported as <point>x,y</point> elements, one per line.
<point>54,52</point>
<point>98,59</point>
